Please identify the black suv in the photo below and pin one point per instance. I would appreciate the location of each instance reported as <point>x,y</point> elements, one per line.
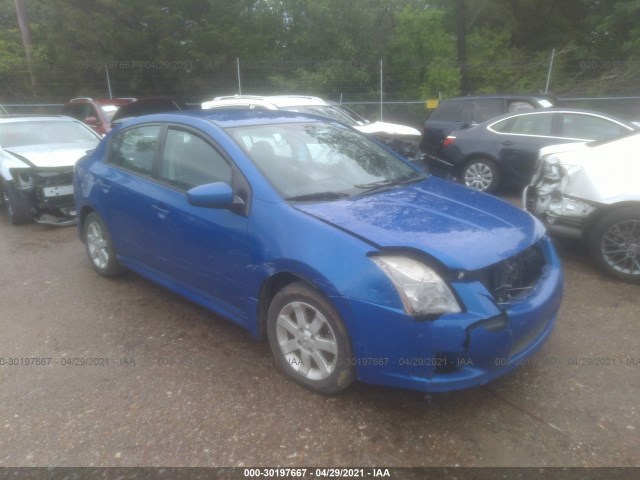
<point>456,113</point>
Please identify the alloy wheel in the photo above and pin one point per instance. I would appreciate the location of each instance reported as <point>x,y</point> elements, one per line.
<point>620,247</point>
<point>306,340</point>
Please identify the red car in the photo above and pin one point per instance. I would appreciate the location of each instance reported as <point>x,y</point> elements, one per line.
<point>95,113</point>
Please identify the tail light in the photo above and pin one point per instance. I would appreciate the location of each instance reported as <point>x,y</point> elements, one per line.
<point>448,141</point>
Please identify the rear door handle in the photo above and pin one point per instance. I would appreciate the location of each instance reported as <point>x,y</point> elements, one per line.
<point>161,210</point>
<point>507,143</point>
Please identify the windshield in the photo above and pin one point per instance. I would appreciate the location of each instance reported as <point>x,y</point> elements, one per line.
<point>327,111</point>
<point>41,132</point>
<point>320,161</point>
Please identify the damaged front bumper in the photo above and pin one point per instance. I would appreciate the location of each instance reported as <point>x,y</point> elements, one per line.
<point>467,349</point>
<point>49,192</point>
<point>548,198</point>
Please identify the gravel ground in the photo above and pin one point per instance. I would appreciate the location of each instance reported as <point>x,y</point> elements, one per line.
<point>174,385</point>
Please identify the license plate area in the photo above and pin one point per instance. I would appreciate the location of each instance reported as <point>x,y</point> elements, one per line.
<point>58,191</point>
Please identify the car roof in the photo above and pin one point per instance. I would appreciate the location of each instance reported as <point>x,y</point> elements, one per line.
<point>277,101</point>
<point>15,118</point>
<point>551,110</point>
<point>226,118</point>
<point>103,101</point>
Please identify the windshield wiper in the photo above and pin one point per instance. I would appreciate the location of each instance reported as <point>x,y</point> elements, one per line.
<point>318,196</point>
<point>374,186</point>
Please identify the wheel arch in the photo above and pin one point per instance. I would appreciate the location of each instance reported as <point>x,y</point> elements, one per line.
<point>269,289</point>
<point>602,212</point>
<point>82,215</point>
<point>477,156</point>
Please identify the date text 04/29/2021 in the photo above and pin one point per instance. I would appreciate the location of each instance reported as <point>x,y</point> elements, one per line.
<point>316,473</point>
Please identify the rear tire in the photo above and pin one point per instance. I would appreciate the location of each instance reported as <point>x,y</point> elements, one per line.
<point>309,341</point>
<point>481,174</point>
<point>18,207</point>
<point>99,247</point>
<point>614,244</point>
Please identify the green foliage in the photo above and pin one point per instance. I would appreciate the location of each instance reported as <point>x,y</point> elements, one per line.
<point>326,47</point>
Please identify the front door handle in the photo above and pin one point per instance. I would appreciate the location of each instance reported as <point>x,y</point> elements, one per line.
<point>507,143</point>
<point>104,186</point>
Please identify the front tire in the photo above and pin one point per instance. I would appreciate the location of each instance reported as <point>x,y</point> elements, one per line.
<point>614,244</point>
<point>99,247</point>
<point>18,207</point>
<point>481,174</point>
<point>308,340</point>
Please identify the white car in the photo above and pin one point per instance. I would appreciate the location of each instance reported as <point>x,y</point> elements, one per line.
<point>37,156</point>
<point>591,191</point>
<point>402,138</point>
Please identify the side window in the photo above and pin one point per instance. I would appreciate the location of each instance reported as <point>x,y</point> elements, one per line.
<point>76,110</point>
<point>135,148</point>
<point>189,161</point>
<point>538,124</point>
<point>517,106</point>
<point>448,111</point>
<point>484,110</point>
<point>588,127</point>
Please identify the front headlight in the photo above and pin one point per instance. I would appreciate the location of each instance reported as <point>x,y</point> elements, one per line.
<point>422,290</point>
<point>553,171</point>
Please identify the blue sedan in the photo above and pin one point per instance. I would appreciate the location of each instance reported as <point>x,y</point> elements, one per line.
<point>350,261</point>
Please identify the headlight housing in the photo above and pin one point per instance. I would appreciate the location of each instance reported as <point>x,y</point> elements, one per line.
<point>422,291</point>
<point>553,171</point>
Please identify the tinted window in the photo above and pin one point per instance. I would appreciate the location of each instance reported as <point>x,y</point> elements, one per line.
<point>189,161</point>
<point>538,124</point>
<point>77,110</point>
<point>135,149</point>
<point>484,110</point>
<point>448,111</point>
<point>588,127</point>
<point>519,106</point>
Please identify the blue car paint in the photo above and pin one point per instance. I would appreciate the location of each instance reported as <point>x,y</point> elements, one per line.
<point>324,243</point>
<point>462,228</point>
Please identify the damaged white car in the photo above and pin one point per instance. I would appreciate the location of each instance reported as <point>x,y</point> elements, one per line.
<point>37,156</point>
<point>590,191</point>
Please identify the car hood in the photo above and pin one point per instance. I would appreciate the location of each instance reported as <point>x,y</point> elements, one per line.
<point>383,128</point>
<point>58,155</point>
<point>462,228</point>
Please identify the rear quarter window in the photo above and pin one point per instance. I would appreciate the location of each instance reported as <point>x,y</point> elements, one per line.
<point>448,111</point>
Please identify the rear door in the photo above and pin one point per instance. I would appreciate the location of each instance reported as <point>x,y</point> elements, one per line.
<point>123,186</point>
<point>449,116</point>
<point>519,140</point>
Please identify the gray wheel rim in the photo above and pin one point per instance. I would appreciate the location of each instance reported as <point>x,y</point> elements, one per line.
<point>478,176</point>
<point>620,247</point>
<point>306,340</point>
<point>97,245</point>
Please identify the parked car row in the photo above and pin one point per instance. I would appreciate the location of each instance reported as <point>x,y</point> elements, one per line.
<point>502,150</point>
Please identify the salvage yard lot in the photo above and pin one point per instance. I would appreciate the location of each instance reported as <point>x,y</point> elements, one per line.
<point>98,372</point>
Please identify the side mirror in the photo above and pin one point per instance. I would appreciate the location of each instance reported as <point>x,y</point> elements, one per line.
<point>91,121</point>
<point>211,195</point>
